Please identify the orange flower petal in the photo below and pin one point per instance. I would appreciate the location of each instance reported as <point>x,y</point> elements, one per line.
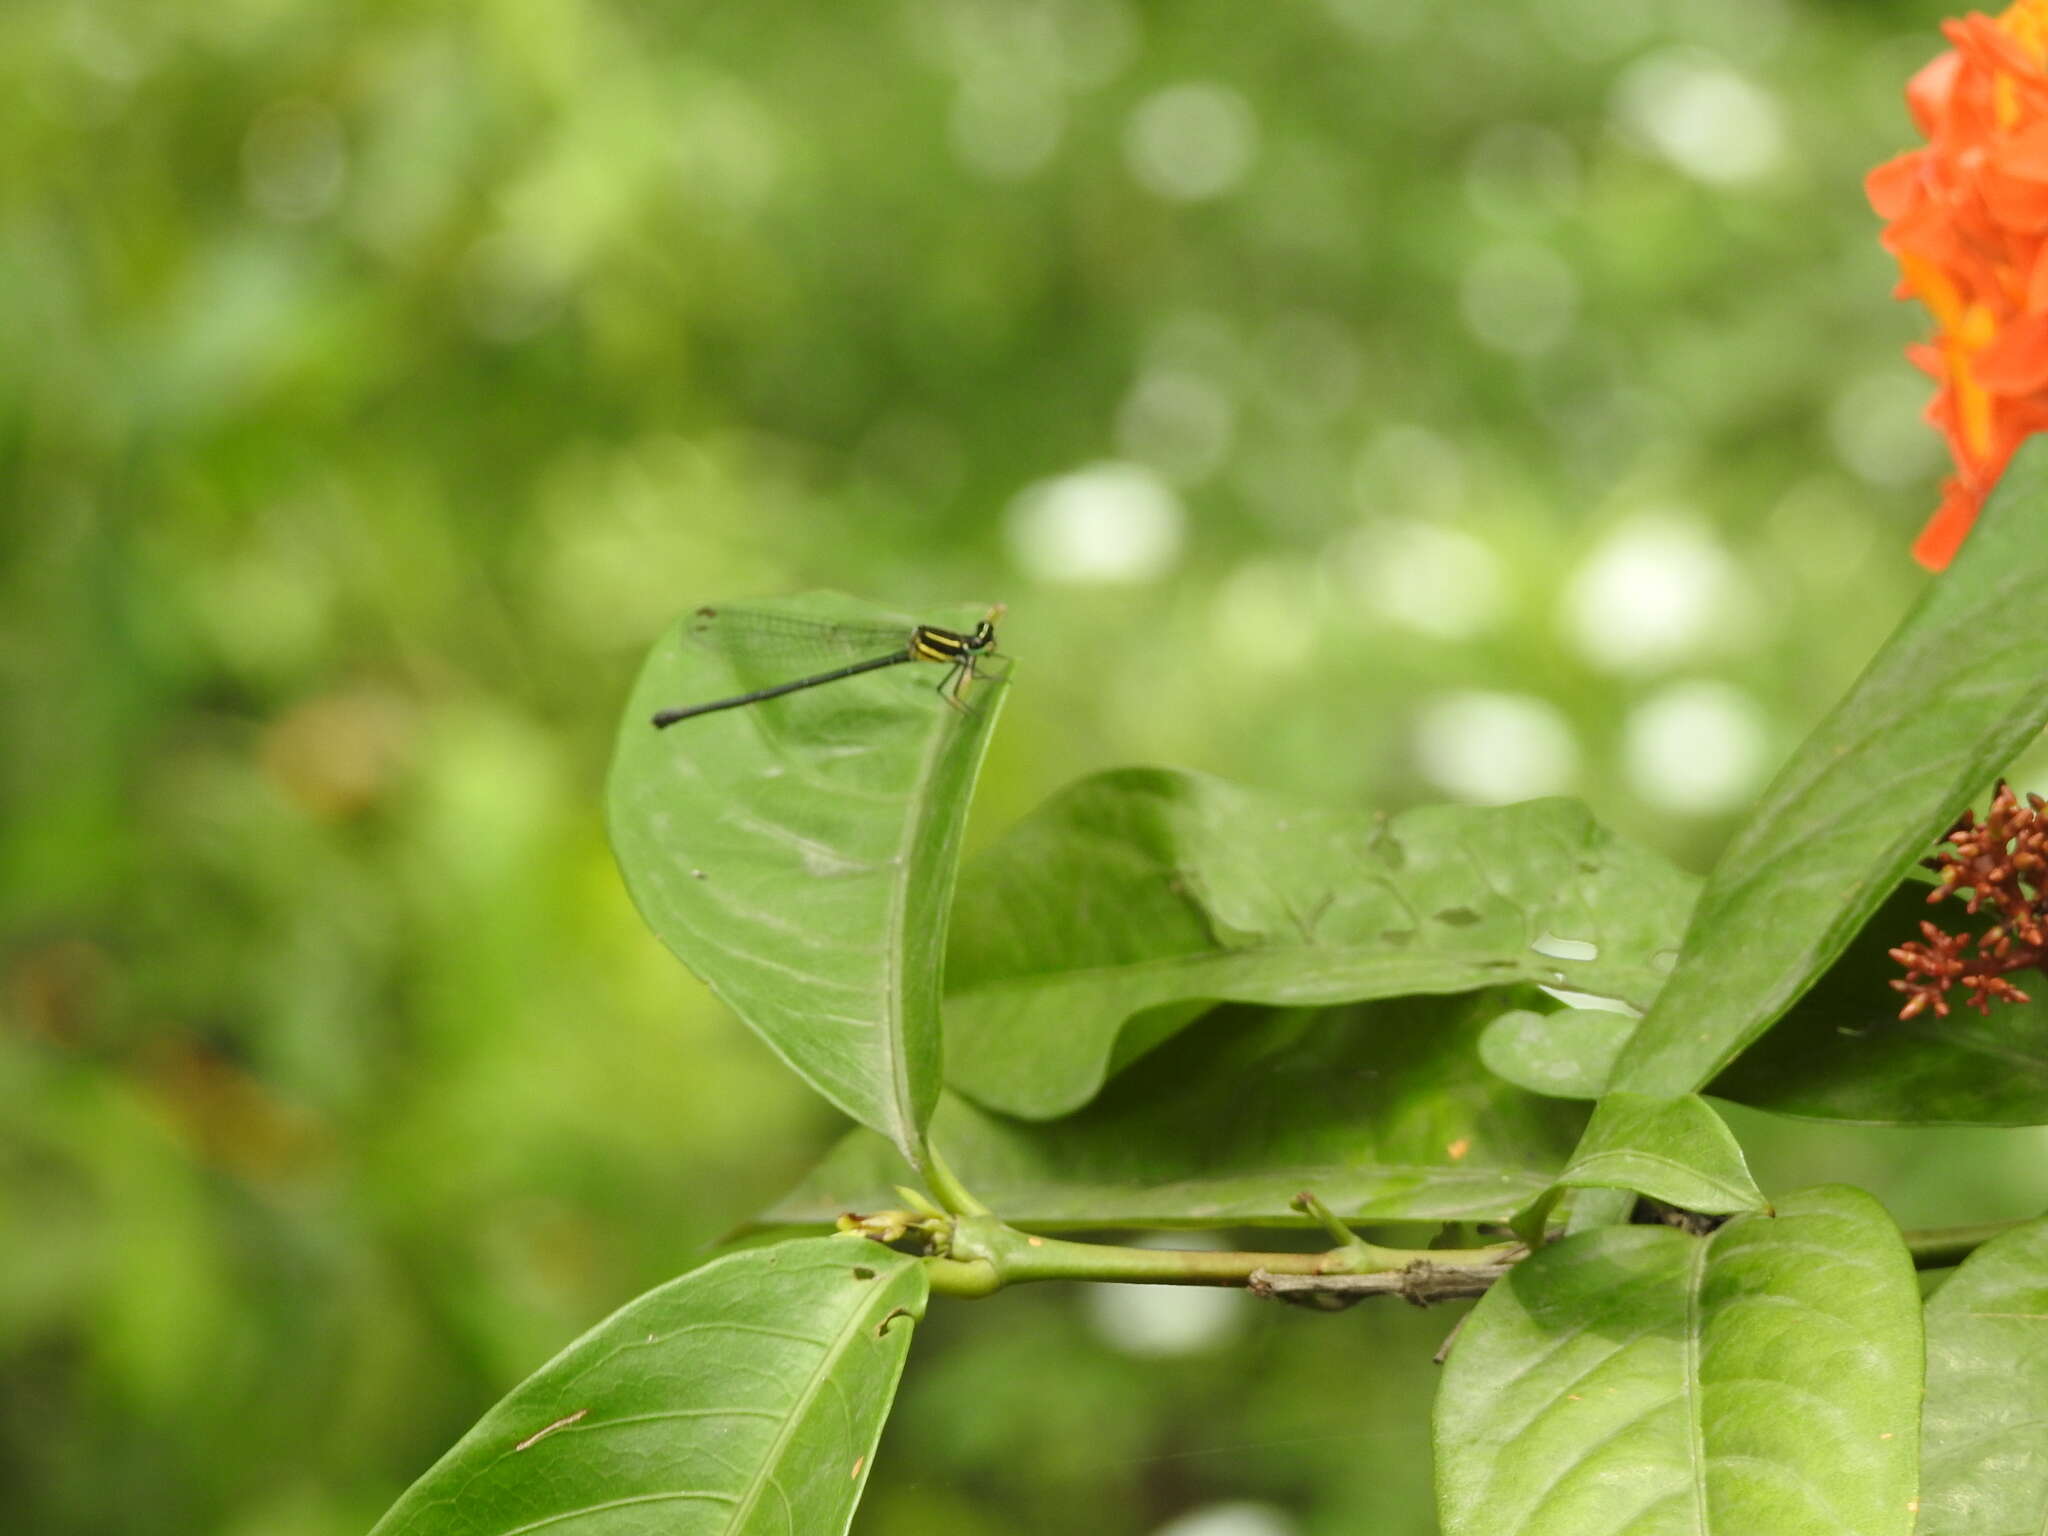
<point>1928,92</point>
<point>1984,42</point>
<point>1966,215</point>
<point>1894,186</point>
<point>2024,153</point>
<point>2016,361</point>
<point>1946,530</point>
<point>2015,204</point>
<point>2035,299</point>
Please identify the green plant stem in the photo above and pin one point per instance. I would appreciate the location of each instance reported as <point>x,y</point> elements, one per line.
<point>987,1255</point>
<point>953,1195</point>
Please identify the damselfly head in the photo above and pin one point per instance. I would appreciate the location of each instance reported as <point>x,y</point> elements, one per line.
<point>984,638</point>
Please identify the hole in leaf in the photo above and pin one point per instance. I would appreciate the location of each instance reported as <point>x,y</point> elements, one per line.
<point>1565,949</point>
<point>1457,917</point>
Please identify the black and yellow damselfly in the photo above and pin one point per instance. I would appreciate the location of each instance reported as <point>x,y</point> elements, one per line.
<point>743,629</point>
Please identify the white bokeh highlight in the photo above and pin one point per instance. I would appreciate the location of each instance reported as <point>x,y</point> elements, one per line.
<point>1707,119</point>
<point>1659,589</point>
<point>1238,1517</point>
<point>1161,1321</point>
<point>1697,748</point>
<point>1494,748</point>
<point>1429,579</point>
<point>1192,142</point>
<point>1111,522</point>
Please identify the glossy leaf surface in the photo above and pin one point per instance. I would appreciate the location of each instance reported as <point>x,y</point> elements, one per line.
<point>1958,689</point>
<point>799,854</point>
<point>1127,903</point>
<point>1675,1149</point>
<point>744,1398</point>
<point>1985,1432</point>
<point>1381,1109</point>
<point>1763,1380</point>
<point>1568,1053</point>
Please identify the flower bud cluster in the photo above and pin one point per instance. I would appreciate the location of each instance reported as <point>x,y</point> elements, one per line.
<point>2000,865</point>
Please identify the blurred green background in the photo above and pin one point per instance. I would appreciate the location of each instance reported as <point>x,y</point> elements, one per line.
<point>1369,398</point>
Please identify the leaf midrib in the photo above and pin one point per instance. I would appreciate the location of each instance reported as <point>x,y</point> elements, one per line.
<point>1695,1405</point>
<point>1578,1171</point>
<point>855,1322</point>
<point>906,1132</point>
<point>1349,956</point>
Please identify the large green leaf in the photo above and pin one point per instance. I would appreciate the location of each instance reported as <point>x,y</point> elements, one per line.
<point>1843,1052</point>
<point>1763,1380</point>
<point>1985,1430</point>
<point>1675,1149</point>
<point>1957,690</point>
<point>744,1399</point>
<point>1380,1109</point>
<point>799,855</point>
<point>1567,1053</point>
<point>1130,901</point>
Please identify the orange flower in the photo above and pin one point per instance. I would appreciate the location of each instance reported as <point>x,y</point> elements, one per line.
<point>1967,217</point>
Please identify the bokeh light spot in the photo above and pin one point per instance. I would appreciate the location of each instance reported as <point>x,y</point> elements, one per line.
<point>1878,432</point>
<point>1411,470</point>
<point>1191,142</point>
<point>1696,747</point>
<point>1108,522</point>
<point>1006,127</point>
<point>1519,297</point>
<point>1424,577</point>
<point>1492,748</point>
<point>1161,1321</point>
<point>1709,121</point>
<point>1177,421</point>
<point>1236,1518</point>
<point>1262,616</point>
<point>1658,589</point>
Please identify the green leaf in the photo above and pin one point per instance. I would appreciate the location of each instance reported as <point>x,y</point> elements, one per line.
<point>1956,691</point>
<point>1380,1109</point>
<point>1672,1149</point>
<point>799,855</point>
<point>1567,1054</point>
<point>1843,1052</point>
<point>1129,902</point>
<point>744,1397</point>
<point>1987,1392</point>
<point>1636,1381</point>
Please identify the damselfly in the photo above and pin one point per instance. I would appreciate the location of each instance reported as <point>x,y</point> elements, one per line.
<point>741,629</point>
